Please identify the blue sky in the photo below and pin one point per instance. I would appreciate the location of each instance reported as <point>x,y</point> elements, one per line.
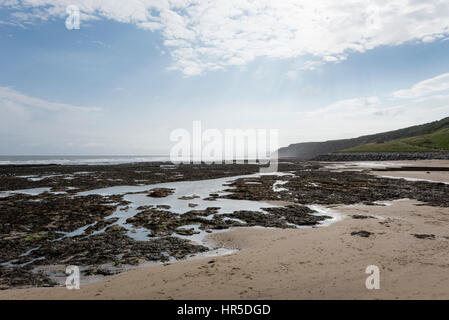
<point>120,85</point>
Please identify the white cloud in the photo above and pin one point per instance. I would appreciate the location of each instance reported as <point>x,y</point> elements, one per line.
<point>17,100</point>
<point>152,26</point>
<point>204,35</point>
<point>101,44</point>
<point>366,115</point>
<point>29,121</point>
<point>425,87</point>
<point>312,64</point>
<point>346,108</point>
<point>31,125</point>
<point>428,39</point>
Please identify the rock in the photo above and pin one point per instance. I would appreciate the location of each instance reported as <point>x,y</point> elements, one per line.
<point>186,232</point>
<point>188,197</point>
<point>33,227</point>
<point>116,228</point>
<point>424,236</point>
<point>360,216</point>
<point>21,277</point>
<point>160,192</point>
<point>362,233</point>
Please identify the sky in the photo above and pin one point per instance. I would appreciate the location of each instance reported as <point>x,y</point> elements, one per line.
<point>136,70</point>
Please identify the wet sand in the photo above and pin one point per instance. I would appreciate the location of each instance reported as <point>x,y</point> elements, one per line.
<point>364,165</point>
<point>436,176</point>
<point>423,163</point>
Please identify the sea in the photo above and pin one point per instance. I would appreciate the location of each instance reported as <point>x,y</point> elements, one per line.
<point>79,160</point>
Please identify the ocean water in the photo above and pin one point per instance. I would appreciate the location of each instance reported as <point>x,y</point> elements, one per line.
<point>79,160</point>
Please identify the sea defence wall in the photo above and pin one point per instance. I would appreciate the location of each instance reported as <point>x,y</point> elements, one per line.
<point>382,156</point>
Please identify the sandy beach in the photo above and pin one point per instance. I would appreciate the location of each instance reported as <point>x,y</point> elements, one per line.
<point>310,263</point>
<point>307,263</point>
<point>224,150</point>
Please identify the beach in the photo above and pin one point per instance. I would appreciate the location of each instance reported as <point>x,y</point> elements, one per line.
<point>405,239</point>
<point>322,263</point>
<point>225,150</point>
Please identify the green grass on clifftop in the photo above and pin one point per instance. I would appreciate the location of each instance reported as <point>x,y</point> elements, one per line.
<point>437,141</point>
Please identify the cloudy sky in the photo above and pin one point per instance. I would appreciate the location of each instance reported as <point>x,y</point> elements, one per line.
<point>138,69</point>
